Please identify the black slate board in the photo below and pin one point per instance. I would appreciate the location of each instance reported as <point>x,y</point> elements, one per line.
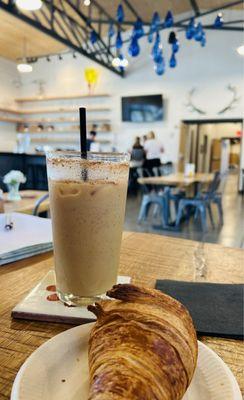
<point>216,309</point>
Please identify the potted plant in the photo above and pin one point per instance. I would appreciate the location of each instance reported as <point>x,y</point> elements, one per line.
<point>13,179</point>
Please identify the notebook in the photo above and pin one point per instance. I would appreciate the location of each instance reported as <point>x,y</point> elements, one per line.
<point>29,236</point>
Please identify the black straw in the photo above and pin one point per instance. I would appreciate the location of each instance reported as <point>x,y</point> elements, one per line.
<point>83,140</point>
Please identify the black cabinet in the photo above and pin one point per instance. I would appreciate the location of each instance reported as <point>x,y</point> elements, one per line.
<point>33,167</point>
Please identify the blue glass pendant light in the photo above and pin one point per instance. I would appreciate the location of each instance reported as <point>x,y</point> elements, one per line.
<point>159,68</point>
<point>169,20</point>
<point>175,46</point>
<point>218,21</point>
<point>93,37</point>
<point>134,48</point>
<point>155,47</point>
<point>138,30</point>
<point>120,13</point>
<point>172,61</point>
<point>111,31</point>
<point>198,32</point>
<point>203,40</point>
<point>155,21</point>
<point>150,36</point>
<point>190,30</point>
<point>119,42</point>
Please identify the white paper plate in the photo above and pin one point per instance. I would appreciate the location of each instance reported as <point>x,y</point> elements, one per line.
<point>59,370</point>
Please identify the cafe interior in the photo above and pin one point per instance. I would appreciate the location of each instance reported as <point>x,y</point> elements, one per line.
<point>121,199</point>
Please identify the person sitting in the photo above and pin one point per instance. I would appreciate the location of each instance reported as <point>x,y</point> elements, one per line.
<point>153,150</point>
<point>137,154</point>
<point>92,144</point>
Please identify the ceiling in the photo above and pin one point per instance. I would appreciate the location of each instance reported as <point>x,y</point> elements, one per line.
<point>13,30</point>
<point>12,34</point>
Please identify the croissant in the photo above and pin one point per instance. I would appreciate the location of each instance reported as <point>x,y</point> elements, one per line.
<point>142,347</point>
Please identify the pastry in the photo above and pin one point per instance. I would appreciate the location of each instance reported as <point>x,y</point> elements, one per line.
<point>142,347</point>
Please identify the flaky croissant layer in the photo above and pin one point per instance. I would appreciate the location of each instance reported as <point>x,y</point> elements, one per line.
<point>142,347</point>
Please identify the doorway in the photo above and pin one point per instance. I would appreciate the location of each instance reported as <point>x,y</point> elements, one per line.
<point>212,145</point>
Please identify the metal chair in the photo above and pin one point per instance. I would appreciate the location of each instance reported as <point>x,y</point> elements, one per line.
<point>202,203</point>
<point>38,203</point>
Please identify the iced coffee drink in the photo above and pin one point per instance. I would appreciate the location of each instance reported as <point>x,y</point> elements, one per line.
<point>87,201</point>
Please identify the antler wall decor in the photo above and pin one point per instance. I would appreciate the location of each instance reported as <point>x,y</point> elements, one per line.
<point>233,101</point>
<point>230,106</point>
<point>191,106</point>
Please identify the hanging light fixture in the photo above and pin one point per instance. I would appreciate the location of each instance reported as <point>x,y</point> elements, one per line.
<point>23,66</point>
<point>29,5</point>
<point>218,23</point>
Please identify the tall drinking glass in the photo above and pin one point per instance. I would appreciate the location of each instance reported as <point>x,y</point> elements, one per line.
<point>87,202</point>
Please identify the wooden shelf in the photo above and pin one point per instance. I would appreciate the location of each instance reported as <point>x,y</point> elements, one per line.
<point>10,119</point>
<point>10,111</point>
<point>64,120</point>
<point>52,110</point>
<point>56,131</point>
<point>62,110</point>
<point>71,97</point>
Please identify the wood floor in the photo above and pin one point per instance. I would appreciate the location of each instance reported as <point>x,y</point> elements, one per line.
<point>231,234</point>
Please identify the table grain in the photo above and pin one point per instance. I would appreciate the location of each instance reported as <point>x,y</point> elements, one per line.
<point>145,257</point>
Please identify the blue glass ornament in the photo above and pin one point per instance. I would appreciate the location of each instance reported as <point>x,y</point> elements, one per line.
<point>190,30</point>
<point>159,68</point>
<point>155,21</point>
<point>172,61</point>
<point>93,37</point>
<point>150,36</point>
<point>198,32</point>
<point>155,47</point>
<point>119,42</point>
<point>120,13</point>
<point>203,40</point>
<point>169,20</point>
<point>175,46</point>
<point>218,21</point>
<point>138,30</point>
<point>134,48</point>
<point>111,30</point>
<point>172,37</point>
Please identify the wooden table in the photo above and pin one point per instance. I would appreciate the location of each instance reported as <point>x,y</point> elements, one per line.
<point>27,203</point>
<point>177,179</point>
<point>144,257</point>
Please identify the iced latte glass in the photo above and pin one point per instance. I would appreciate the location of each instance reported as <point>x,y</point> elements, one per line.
<point>87,202</point>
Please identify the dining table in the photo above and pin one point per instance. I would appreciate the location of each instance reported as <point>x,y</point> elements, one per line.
<point>145,258</point>
<point>27,202</point>
<point>177,179</point>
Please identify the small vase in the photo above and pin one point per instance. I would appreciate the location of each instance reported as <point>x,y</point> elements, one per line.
<point>13,191</point>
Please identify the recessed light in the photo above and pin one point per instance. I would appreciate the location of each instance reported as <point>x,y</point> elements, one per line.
<point>87,2</point>
<point>23,67</point>
<point>240,50</point>
<point>29,5</point>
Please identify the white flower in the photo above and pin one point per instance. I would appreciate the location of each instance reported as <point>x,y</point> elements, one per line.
<point>13,177</point>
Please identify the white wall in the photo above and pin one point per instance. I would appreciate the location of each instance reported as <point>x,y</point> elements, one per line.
<point>9,78</point>
<point>209,69</point>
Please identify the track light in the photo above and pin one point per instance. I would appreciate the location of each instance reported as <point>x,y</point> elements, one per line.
<point>24,67</point>
<point>29,5</point>
<point>48,59</point>
<point>60,57</point>
<point>74,55</point>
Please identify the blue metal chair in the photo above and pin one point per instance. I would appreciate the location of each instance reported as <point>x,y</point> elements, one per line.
<point>202,204</point>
